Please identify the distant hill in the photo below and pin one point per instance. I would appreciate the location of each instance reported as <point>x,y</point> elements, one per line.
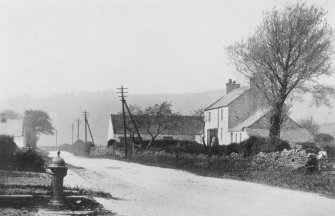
<point>65,108</point>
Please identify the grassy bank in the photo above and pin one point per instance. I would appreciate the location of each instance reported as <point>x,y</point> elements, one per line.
<point>235,166</point>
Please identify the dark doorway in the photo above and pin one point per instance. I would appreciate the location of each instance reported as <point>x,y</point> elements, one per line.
<point>210,134</point>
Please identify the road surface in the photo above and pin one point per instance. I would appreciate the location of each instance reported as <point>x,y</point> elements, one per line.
<point>152,191</point>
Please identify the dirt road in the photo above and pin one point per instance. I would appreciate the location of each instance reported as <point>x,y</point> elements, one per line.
<point>151,191</point>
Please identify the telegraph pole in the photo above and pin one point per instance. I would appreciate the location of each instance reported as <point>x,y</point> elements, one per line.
<point>85,114</point>
<point>56,141</point>
<point>122,92</point>
<point>72,129</point>
<point>78,123</point>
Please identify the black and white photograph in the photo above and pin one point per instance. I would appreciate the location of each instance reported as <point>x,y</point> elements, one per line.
<point>167,107</point>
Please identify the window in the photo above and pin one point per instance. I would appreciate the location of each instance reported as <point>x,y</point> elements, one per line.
<point>231,138</point>
<point>209,116</point>
<point>236,137</point>
<point>240,137</point>
<point>221,114</point>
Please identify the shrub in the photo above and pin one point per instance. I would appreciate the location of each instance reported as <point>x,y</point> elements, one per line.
<point>280,145</point>
<point>221,150</point>
<point>309,147</point>
<point>312,164</point>
<point>253,145</point>
<point>7,149</point>
<point>176,146</point>
<point>111,142</point>
<point>81,148</point>
<point>323,138</point>
<point>233,148</point>
<point>66,147</point>
<point>330,151</point>
<point>30,160</point>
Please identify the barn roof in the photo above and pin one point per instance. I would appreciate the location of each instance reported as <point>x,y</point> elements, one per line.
<point>250,120</point>
<point>292,135</point>
<point>228,98</point>
<point>12,127</point>
<point>189,125</point>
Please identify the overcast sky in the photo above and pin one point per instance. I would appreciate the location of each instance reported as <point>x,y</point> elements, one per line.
<point>150,46</point>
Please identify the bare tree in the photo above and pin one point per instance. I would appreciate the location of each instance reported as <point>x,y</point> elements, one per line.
<point>201,114</point>
<point>285,58</point>
<point>159,118</point>
<point>310,125</point>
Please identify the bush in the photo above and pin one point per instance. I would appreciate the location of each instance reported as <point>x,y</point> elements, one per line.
<point>309,147</point>
<point>323,138</point>
<point>280,145</point>
<point>233,148</point>
<point>254,145</point>
<point>221,150</point>
<point>111,142</point>
<point>81,148</point>
<point>30,160</point>
<point>7,149</point>
<point>312,164</point>
<point>176,146</point>
<point>330,151</point>
<point>66,147</point>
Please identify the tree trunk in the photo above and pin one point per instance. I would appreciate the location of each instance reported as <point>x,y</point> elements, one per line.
<point>150,143</point>
<point>275,122</point>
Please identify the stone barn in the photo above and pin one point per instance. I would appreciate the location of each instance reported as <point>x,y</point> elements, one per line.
<point>190,128</point>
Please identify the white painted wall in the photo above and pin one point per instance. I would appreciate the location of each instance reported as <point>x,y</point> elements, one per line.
<point>19,141</point>
<point>218,119</point>
<point>238,136</point>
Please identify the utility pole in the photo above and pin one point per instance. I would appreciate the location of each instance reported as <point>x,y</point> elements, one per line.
<point>78,124</point>
<point>56,141</point>
<point>85,114</point>
<point>122,92</point>
<point>72,129</point>
<point>89,130</point>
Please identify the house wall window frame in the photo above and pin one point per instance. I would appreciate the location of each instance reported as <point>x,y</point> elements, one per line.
<point>221,134</point>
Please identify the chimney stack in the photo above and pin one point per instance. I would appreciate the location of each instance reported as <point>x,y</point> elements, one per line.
<point>231,85</point>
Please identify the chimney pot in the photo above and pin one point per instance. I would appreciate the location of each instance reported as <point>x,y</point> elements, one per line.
<point>231,85</point>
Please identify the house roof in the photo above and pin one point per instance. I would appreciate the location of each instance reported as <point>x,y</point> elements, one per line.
<point>292,135</point>
<point>250,120</point>
<point>228,98</point>
<point>189,125</point>
<point>12,127</point>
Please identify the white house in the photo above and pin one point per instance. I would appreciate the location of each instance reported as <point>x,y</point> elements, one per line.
<point>238,115</point>
<point>13,127</point>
